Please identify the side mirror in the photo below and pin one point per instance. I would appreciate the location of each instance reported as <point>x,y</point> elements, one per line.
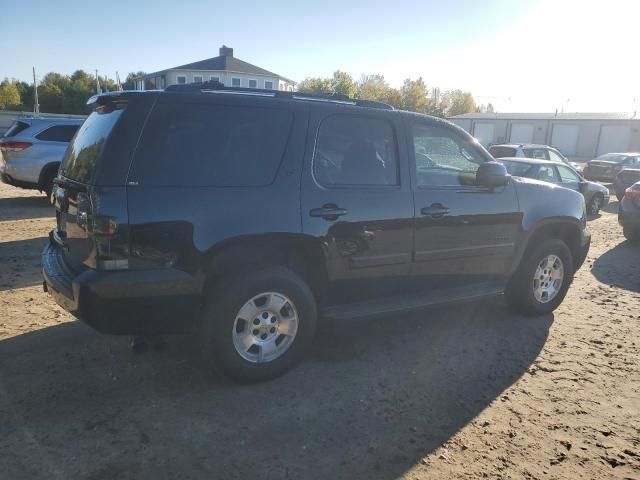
<point>492,175</point>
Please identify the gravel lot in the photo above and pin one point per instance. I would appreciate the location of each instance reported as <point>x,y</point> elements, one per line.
<point>459,392</point>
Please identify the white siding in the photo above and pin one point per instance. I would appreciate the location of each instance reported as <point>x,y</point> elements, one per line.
<point>614,138</point>
<point>565,138</point>
<point>521,133</point>
<point>225,78</point>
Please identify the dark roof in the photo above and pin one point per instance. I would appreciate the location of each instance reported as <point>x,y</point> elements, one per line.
<point>549,116</point>
<point>223,62</point>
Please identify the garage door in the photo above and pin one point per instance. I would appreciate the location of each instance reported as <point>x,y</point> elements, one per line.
<point>565,138</point>
<point>484,133</point>
<point>521,133</point>
<point>614,138</point>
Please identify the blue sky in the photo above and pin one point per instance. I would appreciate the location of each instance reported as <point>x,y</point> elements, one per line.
<point>554,60</point>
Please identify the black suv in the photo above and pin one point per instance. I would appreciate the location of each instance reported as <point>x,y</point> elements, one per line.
<point>247,215</point>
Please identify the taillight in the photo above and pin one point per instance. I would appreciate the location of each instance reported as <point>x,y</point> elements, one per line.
<point>633,192</point>
<point>9,146</point>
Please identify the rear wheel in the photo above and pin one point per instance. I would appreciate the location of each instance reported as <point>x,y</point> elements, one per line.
<point>595,204</point>
<point>631,234</point>
<point>258,325</point>
<point>542,279</point>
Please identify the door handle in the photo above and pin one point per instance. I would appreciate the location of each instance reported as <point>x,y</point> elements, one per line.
<point>436,210</point>
<point>330,211</point>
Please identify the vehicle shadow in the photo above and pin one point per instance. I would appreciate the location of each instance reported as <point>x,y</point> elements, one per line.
<point>16,208</point>
<point>20,263</point>
<point>612,206</point>
<point>372,400</point>
<point>610,267</point>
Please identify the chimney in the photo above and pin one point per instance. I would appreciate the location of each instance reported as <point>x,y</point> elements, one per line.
<point>226,51</point>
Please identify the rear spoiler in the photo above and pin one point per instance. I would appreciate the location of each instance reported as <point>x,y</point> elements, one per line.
<point>107,102</point>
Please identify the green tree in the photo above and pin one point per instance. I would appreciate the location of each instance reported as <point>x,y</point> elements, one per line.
<point>316,85</point>
<point>342,83</point>
<point>414,95</point>
<point>458,102</point>
<point>50,98</point>
<point>9,95</point>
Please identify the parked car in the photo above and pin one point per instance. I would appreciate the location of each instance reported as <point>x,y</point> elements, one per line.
<point>595,195</point>
<point>32,148</point>
<point>607,166</point>
<point>246,215</point>
<point>624,179</point>
<point>629,212</point>
<point>531,150</point>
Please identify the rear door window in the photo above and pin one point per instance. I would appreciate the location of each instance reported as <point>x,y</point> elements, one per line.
<point>355,150</point>
<point>501,152</point>
<point>553,156</point>
<point>547,173</point>
<point>213,145</point>
<point>82,155</point>
<point>58,133</point>
<point>16,128</point>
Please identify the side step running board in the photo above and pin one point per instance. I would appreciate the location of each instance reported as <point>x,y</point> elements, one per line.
<point>407,303</point>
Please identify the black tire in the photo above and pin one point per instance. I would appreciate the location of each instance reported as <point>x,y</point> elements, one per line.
<point>592,208</point>
<point>631,234</point>
<point>47,186</point>
<point>224,300</point>
<point>519,292</point>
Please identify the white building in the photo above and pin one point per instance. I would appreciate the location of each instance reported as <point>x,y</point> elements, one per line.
<point>579,136</point>
<point>225,68</point>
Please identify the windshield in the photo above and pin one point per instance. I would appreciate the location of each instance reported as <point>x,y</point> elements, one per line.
<point>80,160</point>
<point>612,157</point>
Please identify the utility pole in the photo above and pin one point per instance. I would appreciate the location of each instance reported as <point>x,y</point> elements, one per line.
<point>98,90</point>
<point>36,105</point>
<point>118,81</point>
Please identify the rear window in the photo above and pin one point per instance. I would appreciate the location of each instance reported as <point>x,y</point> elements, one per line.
<point>82,155</point>
<point>612,157</point>
<point>213,145</point>
<point>517,169</point>
<point>15,128</point>
<point>58,133</point>
<point>500,152</point>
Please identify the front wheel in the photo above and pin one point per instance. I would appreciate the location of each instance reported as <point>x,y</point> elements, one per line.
<point>257,325</point>
<point>595,204</point>
<point>542,279</point>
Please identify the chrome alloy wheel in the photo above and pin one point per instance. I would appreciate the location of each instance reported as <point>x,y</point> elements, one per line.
<point>596,203</point>
<point>265,327</point>
<point>548,278</point>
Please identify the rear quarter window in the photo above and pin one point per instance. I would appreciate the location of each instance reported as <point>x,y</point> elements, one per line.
<point>15,128</point>
<point>501,152</point>
<point>83,153</point>
<point>213,145</point>
<point>58,133</point>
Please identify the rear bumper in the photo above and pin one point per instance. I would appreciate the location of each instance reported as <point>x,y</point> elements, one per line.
<point>9,180</point>
<point>127,302</point>
<point>628,214</point>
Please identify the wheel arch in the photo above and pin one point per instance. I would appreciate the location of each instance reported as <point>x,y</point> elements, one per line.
<point>302,254</point>
<point>46,171</point>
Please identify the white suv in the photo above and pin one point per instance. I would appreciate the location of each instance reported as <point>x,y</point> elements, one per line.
<point>531,150</point>
<point>32,149</point>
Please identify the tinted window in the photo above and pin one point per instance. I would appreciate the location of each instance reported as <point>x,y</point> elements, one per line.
<point>353,150</point>
<point>15,129</point>
<point>500,152</point>
<point>83,153</point>
<point>58,133</point>
<point>253,84</point>
<point>612,157</point>
<point>213,145</point>
<point>444,157</point>
<point>538,153</point>
<point>547,173</point>
<point>567,175</point>
<point>517,169</point>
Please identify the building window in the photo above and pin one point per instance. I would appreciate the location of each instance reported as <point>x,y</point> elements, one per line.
<point>197,79</point>
<point>268,85</point>
<point>214,79</point>
<point>253,84</point>
<point>181,79</point>
<point>235,82</point>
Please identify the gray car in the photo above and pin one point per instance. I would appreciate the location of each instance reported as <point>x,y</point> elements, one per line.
<point>595,195</point>
<point>32,148</point>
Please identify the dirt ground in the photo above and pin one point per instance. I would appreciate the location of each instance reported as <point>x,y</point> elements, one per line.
<point>459,392</point>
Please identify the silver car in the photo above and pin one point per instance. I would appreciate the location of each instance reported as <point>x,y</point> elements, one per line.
<point>32,148</point>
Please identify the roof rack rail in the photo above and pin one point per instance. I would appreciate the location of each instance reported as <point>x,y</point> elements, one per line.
<point>215,86</point>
